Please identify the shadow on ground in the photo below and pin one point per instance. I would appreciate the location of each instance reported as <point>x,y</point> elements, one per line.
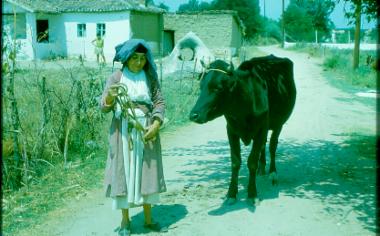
<point>340,174</point>
<point>165,215</point>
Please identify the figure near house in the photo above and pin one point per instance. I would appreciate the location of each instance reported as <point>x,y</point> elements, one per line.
<point>99,45</point>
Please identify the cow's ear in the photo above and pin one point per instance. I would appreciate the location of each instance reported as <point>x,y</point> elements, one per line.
<point>230,68</point>
<point>204,65</point>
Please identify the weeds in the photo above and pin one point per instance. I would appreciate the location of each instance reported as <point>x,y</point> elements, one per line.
<point>27,206</point>
<point>179,96</point>
<point>339,63</point>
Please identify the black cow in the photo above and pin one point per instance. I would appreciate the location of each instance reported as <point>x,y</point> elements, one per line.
<point>257,97</point>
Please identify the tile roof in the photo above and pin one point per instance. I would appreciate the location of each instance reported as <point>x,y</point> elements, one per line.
<point>61,6</point>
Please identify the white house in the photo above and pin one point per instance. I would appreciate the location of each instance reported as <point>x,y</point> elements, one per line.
<point>50,28</point>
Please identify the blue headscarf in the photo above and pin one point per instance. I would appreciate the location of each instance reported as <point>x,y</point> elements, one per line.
<point>126,49</point>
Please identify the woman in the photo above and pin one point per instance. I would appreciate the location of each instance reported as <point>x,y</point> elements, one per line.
<point>134,174</point>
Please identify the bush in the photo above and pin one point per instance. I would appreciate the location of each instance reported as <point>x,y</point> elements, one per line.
<point>58,113</point>
<point>339,61</point>
<point>331,62</point>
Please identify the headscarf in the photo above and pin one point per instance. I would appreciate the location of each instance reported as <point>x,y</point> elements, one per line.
<point>126,49</point>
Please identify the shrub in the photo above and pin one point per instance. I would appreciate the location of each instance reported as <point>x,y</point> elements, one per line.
<point>332,62</point>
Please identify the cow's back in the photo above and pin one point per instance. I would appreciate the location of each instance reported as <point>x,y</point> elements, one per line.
<point>278,73</point>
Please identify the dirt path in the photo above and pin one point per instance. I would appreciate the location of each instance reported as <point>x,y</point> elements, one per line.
<point>326,175</point>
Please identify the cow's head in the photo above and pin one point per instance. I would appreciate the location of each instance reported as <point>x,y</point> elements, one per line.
<point>216,85</point>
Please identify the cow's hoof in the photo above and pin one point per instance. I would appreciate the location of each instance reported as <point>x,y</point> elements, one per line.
<point>255,201</point>
<point>274,178</point>
<point>230,201</point>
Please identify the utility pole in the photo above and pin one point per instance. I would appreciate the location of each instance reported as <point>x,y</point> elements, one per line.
<point>358,17</point>
<point>266,33</point>
<point>283,25</point>
<point>264,8</point>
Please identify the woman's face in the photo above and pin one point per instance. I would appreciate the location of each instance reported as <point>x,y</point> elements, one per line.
<point>136,62</point>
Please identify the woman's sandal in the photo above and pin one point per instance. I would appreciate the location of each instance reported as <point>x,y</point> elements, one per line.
<point>125,231</point>
<point>156,227</point>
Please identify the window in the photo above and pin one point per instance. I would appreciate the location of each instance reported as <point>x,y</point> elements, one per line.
<point>100,29</point>
<point>42,31</point>
<point>8,25</point>
<point>81,30</point>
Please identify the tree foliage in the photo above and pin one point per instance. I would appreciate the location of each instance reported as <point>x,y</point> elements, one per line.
<point>356,9</point>
<point>194,5</point>
<point>163,6</point>
<point>248,11</point>
<point>298,24</point>
<point>303,17</point>
<point>368,7</point>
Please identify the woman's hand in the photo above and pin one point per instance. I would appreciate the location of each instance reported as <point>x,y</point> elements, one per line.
<point>152,131</point>
<point>112,94</point>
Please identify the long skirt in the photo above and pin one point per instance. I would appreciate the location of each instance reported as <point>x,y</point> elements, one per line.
<point>133,159</point>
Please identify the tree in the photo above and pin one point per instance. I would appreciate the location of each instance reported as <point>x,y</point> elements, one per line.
<point>303,17</point>
<point>193,5</point>
<point>163,6</point>
<point>320,11</point>
<point>353,13</point>
<point>248,11</point>
<point>298,23</point>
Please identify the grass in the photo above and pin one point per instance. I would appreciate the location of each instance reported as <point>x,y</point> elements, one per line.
<point>27,206</point>
<point>338,63</point>
<point>49,182</point>
<point>180,95</point>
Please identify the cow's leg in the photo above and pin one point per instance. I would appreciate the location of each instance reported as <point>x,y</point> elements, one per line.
<point>252,164</point>
<point>262,162</point>
<point>272,149</point>
<point>233,139</point>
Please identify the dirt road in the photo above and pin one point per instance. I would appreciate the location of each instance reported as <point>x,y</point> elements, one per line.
<point>326,175</point>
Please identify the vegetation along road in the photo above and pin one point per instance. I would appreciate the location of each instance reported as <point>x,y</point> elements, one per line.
<point>326,166</point>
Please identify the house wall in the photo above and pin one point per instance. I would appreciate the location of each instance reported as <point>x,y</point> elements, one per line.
<point>55,47</point>
<point>219,32</point>
<point>29,48</point>
<point>117,31</point>
<point>64,41</point>
<point>237,37</point>
<point>148,26</point>
<point>24,48</point>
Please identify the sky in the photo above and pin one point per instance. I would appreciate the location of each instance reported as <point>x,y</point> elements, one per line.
<point>273,9</point>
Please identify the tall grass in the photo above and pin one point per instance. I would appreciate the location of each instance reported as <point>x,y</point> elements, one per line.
<point>49,173</point>
<point>338,62</point>
<point>180,94</point>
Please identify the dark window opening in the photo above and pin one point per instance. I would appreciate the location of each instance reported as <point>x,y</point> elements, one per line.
<point>168,41</point>
<point>81,30</point>
<point>42,31</point>
<point>100,29</point>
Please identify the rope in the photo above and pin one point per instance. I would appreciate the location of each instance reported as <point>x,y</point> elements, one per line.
<point>212,69</point>
<point>128,112</point>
